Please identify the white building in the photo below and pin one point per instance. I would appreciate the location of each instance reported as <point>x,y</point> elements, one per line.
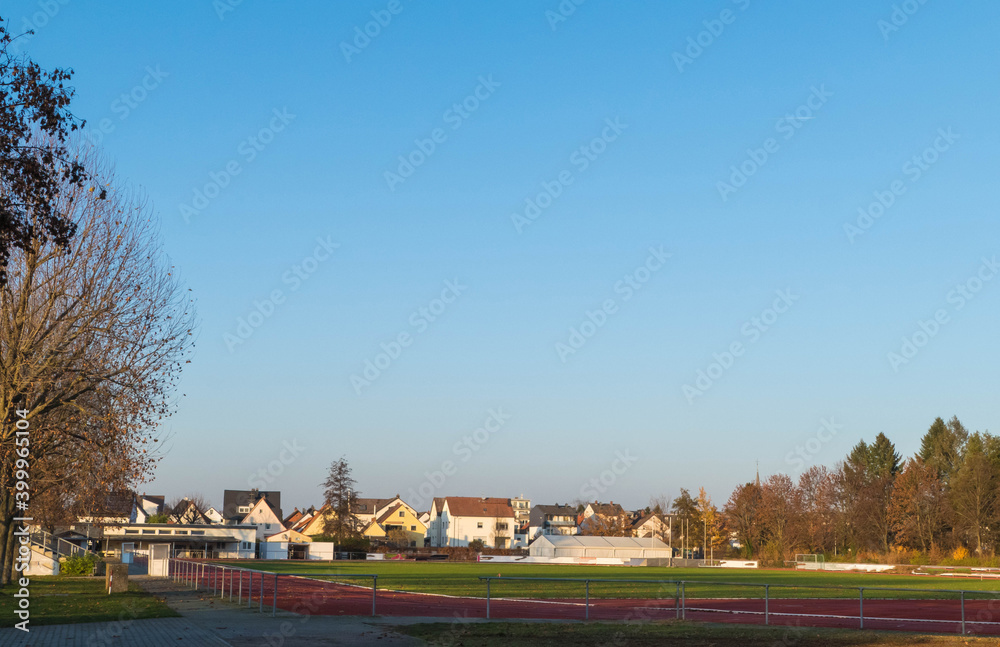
<point>265,517</point>
<point>579,546</point>
<point>186,540</point>
<point>458,520</point>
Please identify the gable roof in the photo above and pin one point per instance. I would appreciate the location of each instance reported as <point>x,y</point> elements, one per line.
<point>263,503</point>
<point>369,506</point>
<point>233,499</point>
<point>468,506</point>
<point>641,521</point>
<point>389,513</point>
<point>607,509</point>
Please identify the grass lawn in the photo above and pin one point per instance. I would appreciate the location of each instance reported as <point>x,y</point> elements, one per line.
<point>61,600</point>
<point>664,635</point>
<point>461,578</point>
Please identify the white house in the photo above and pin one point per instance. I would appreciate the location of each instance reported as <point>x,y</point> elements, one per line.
<point>456,521</point>
<point>552,520</point>
<point>263,515</point>
<point>214,516</point>
<point>145,506</point>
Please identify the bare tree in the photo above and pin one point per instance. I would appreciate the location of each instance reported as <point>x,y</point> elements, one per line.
<point>92,340</point>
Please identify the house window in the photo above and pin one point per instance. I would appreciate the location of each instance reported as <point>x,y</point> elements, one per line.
<point>479,525</point>
<point>401,513</point>
<point>413,528</point>
<point>244,509</point>
<point>267,526</point>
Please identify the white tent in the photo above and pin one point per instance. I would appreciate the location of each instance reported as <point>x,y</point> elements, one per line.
<point>625,548</point>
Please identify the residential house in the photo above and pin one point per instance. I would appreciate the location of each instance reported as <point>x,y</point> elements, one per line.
<point>314,524</point>
<point>456,521</point>
<point>214,516</point>
<point>399,517</point>
<point>522,518</point>
<point>266,517</point>
<point>653,525</point>
<point>145,506</point>
<point>236,504</point>
<point>186,512</point>
<point>606,519</point>
<point>552,520</point>
<point>368,510</point>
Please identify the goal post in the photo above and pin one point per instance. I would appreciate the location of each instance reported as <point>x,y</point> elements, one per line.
<point>809,561</point>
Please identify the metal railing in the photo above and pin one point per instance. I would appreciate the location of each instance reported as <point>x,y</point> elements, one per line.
<point>680,594</point>
<point>217,577</point>
<point>57,546</point>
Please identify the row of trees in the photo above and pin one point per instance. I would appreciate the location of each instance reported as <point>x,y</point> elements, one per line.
<point>945,497</point>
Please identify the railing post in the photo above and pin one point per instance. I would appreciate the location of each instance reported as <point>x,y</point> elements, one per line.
<point>250,592</point>
<point>587,606</point>
<point>487,598</point>
<point>963,612</point>
<point>683,603</point>
<point>274,602</point>
<point>677,600</point>
<point>260,609</point>
<point>861,607</point>
<point>239,598</point>
<point>374,590</point>
<point>215,580</point>
<point>232,582</point>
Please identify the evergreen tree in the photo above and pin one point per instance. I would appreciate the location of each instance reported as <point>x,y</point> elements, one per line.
<point>941,447</point>
<point>340,496</point>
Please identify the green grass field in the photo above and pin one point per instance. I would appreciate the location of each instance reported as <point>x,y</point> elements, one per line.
<point>59,600</point>
<point>463,579</point>
<point>667,635</point>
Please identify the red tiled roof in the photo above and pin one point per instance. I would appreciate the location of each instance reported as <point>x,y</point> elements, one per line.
<point>468,506</point>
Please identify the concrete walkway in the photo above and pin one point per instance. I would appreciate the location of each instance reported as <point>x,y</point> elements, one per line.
<point>208,621</point>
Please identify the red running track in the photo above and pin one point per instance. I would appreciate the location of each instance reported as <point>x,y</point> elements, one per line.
<point>311,596</point>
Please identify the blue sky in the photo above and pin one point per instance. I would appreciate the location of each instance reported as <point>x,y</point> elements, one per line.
<point>837,97</point>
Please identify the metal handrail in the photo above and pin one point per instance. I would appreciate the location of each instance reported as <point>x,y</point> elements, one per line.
<point>49,543</point>
<point>188,571</point>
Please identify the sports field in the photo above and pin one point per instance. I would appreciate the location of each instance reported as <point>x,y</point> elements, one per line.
<point>532,591</point>
<point>462,579</point>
